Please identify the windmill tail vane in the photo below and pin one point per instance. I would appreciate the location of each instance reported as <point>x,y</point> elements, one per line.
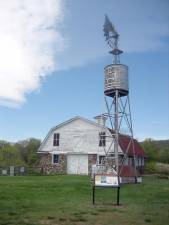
<point>109,30</point>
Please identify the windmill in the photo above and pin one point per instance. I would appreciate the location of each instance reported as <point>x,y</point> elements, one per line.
<point>116,93</point>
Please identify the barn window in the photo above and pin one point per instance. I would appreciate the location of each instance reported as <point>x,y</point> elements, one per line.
<point>55,158</point>
<point>56,138</point>
<point>102,139</point>
<point>101,159</point>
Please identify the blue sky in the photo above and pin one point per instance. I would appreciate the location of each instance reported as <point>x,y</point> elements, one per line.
<point>53,56</point>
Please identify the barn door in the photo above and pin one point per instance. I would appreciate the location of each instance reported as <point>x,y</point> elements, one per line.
<point>77,164</point>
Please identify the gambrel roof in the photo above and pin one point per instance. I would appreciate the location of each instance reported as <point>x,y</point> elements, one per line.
<point>65,123</point>
<point>123,139</point>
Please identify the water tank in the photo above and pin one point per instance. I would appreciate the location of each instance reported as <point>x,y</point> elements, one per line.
<point>116,78</point>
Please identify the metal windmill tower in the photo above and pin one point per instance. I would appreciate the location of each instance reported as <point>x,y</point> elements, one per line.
<point>116,91</point>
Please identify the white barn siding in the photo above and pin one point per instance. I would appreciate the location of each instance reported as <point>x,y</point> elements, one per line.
<point>77,136</point>
<point>78,146</point>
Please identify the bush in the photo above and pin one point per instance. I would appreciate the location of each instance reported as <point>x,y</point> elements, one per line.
<point>158,168</point>
<point>150,167</point>
<point>162,168</point>
<point>36,171</point>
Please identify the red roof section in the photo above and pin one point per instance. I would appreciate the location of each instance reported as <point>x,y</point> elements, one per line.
<point>126,145</point>
<point>127,171</point>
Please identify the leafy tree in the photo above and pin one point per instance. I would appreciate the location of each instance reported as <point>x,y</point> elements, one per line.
<point>163,156</point>
<point>3,144</point>
<point>150,149</point>
<point>20,154</point>
<point>28,150</point>
<point>10,156</point>
<point>156,150</point>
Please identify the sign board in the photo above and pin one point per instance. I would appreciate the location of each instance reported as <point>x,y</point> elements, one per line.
<point>106,181</point>
<point>4,172</point>
<point>139,179</point>
<point>22,170</point>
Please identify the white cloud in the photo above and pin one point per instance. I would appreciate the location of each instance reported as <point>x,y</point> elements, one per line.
<point>29,40</point>
<point>32,44</point>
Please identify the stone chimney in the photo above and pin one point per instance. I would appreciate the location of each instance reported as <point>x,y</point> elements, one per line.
<point>101,119</point>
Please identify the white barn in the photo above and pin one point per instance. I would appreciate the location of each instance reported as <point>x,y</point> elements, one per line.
<point>73,147</point>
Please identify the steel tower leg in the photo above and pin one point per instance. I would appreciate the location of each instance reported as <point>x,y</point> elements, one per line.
<point>116,126</point>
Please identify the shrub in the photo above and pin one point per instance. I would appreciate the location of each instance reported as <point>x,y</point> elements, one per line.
<point>162,168</point>
<point>150,167</point>
<point>159,168</point>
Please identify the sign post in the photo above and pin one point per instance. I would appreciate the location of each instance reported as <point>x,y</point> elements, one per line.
<point>106,181</point>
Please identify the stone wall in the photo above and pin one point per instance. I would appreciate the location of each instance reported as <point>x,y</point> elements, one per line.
<point>92,159</point>
<point>49,168</point>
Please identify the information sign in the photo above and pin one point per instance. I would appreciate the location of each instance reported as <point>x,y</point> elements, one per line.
<point>106,181</point>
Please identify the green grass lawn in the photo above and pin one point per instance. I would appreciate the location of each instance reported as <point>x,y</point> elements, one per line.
<point>67,200</point>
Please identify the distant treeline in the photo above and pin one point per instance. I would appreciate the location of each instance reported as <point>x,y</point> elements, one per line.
<point>22,153</point>
<point>156,151</point>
